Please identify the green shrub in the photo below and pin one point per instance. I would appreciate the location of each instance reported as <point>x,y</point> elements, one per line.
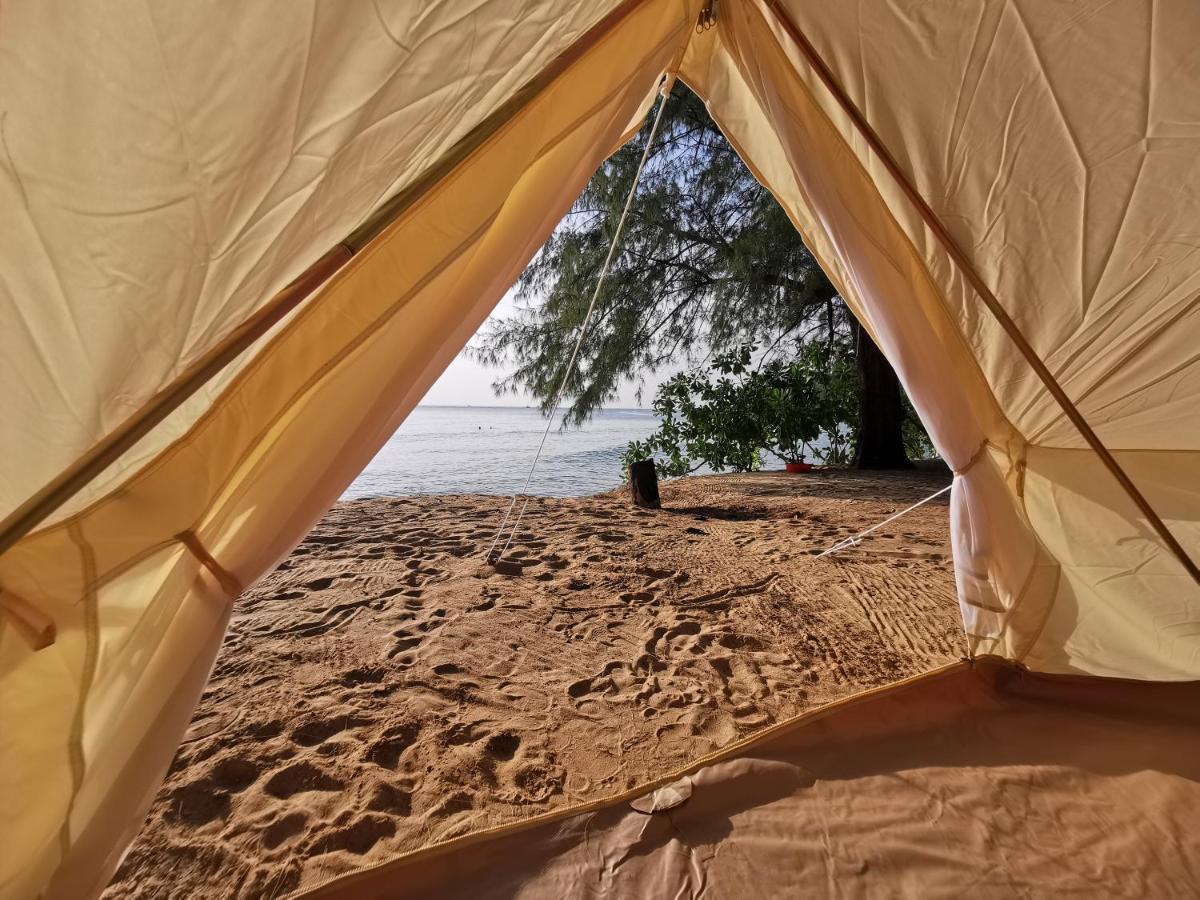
<point>728,414</point>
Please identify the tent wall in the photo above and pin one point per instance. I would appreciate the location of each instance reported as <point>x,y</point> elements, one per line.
<point>166,169</point>
<point>1078,207</point>
<point>139,615</point>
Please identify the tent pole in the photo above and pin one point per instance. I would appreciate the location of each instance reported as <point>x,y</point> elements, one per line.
<point>112,446</point>
<point>964,264</point>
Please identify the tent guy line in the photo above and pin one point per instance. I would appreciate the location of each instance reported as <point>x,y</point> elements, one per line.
<point>846,543</point>
<point>664,93</point>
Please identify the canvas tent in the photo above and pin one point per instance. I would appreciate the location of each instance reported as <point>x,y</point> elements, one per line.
<point>249,239</point>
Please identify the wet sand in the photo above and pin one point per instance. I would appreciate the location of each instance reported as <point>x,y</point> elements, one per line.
<point>381,690</point>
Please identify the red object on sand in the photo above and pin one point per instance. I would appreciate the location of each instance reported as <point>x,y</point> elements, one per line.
<point>799,467</point>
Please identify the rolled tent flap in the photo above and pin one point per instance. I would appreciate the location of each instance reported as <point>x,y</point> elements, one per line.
<point>168,173</point>
<point>138,582</point>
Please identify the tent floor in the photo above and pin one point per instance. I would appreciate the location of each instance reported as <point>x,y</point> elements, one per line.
<point>975,777</point>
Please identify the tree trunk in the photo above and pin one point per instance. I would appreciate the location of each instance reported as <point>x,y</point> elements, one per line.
<point>643,484</point>
<point>880,442</point>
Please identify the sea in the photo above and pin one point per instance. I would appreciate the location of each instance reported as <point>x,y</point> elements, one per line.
<point>488,450</point>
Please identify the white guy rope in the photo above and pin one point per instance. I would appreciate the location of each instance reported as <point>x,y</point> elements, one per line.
<point>612,250</point>
<point>851,541</point>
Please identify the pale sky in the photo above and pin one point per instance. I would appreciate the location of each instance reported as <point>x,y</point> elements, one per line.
<point>466,383</point>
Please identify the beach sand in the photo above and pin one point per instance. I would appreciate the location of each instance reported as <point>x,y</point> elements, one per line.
<point>380,690</point>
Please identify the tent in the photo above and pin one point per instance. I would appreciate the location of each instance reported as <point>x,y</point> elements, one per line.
<point>239,245</point>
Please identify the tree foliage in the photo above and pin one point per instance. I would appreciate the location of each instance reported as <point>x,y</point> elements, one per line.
<point>727,414</point>
<point>708,264</point>
<point>708,261</point>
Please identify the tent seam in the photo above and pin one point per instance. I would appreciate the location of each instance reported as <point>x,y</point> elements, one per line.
<point>91,629</point>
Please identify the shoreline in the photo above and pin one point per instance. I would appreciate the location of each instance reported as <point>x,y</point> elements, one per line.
<point>379,691</point>
<point>934,467</point>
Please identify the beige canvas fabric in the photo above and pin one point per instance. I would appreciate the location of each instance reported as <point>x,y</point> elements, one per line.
<point>138,617</point>
<point>1013,123</point>
<point>944,785</point>
<point>164,171</point>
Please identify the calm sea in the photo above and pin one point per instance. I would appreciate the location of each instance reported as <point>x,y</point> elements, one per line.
<point>488,449</point>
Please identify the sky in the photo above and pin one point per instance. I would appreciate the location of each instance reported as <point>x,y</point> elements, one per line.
<point>467,383</point>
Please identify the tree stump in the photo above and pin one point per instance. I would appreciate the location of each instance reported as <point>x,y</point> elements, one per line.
<point>643,484</point>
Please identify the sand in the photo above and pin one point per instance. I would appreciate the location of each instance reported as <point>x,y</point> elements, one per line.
<point>381,690</point>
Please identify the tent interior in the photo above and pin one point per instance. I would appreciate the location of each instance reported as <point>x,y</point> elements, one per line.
<point>238,250</point>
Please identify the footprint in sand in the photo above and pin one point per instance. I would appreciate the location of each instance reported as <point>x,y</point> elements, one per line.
<point>357,837</point>
<point>388,798</point>
<point>196,804</point>
<point>363,675</point>
<point>312,733</point>
<point>502,746</point>
<point>391,745</point>
<point>235,774</point>
<point>284,830</point>
<point>406,642</point>
<point>537,782</point>
<point>300,778</point>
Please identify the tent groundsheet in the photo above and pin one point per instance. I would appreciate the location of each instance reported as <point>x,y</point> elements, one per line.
<point>976,778</point>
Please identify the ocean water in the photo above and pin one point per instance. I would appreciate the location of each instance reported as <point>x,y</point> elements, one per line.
<point>488,449</point>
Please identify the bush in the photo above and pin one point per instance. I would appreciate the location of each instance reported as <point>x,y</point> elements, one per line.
<point>727,415</point>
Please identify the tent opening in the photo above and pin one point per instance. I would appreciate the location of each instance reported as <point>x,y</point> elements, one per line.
<point>382,690</point>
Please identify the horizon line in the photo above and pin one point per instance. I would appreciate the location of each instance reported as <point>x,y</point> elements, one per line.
<point>524,406</point>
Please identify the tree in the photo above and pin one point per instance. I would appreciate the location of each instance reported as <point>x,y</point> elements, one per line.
<point>883,410</point>
<point>708,261</point>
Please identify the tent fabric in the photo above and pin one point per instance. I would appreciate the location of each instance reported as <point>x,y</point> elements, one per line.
<point>139,619</point>
<point>980,779</point>
<point>166,170</point>
<point>1054,563</point>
